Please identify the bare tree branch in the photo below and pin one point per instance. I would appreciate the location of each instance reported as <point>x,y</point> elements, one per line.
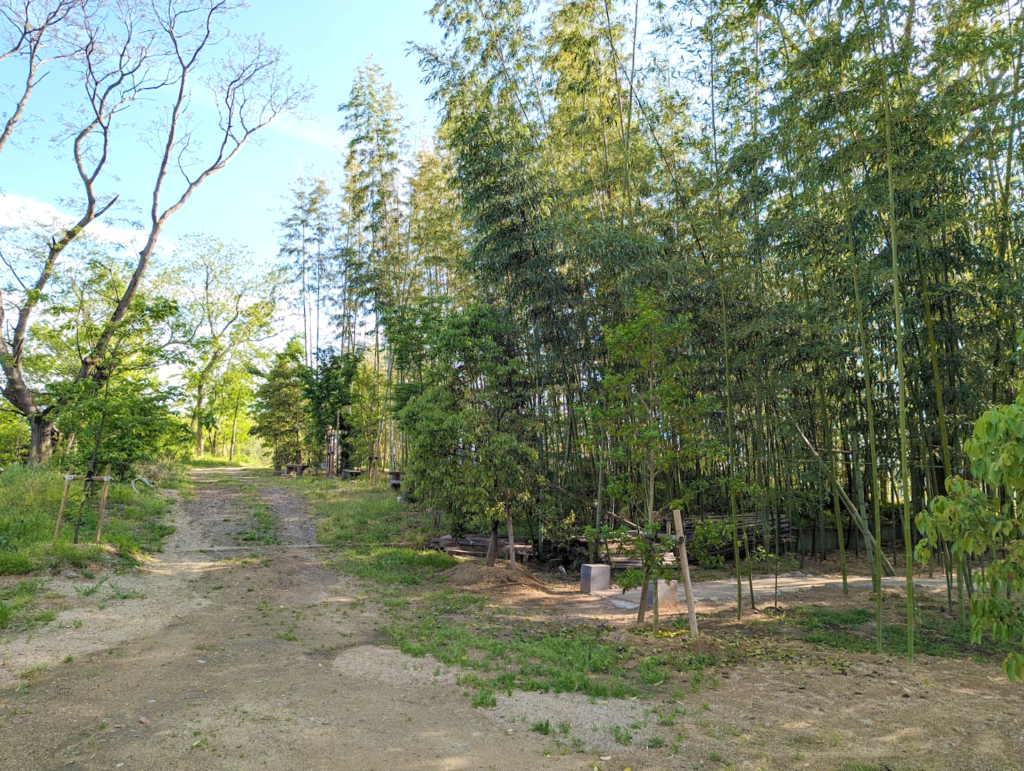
<point>146,48</point>
<point>32,30</point>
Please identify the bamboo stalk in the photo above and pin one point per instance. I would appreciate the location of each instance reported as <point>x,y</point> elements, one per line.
<point>851,509</point>
<point>901,372</point>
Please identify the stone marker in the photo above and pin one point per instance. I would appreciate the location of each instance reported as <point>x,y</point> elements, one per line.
<point>668,595</point>
<point>595,578</point>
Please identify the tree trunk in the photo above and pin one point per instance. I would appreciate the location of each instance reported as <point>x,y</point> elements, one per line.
<point>642,610</point>
<point>197,421</point>
<point>511,543</point>
<point>234,426</point>
<point>492,546</point>
<point>42,439</point>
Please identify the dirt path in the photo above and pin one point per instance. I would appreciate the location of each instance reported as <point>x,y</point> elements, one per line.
<point>220,654</point>
<point>711,593</point>
<point>238,657</point>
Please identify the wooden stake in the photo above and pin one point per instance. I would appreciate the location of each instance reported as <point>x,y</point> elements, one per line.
<point>103,502</point>
<point>68,479</point>
<point>684,564</point>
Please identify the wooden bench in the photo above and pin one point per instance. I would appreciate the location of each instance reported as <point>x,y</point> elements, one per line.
<point>294,468</point>
<point>351,473</point>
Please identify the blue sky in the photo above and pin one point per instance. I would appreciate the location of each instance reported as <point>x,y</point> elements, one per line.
<point>325,42</point>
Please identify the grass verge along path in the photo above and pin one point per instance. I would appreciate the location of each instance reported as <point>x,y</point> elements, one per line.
<point>135,524</point>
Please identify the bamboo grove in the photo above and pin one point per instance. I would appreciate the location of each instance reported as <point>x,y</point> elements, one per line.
<point>744,259</point>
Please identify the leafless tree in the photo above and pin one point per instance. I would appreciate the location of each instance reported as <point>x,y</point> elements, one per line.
<point>151,54</point>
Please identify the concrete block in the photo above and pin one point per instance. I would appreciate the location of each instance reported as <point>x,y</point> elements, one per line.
<point>668,595</point>
<point>595,578</point>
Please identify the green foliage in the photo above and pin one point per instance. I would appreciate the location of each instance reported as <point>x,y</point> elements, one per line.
<point>972,522</point>
<point>328,392</point>
<point>646,404</point>
<point>470,432</point>
<point>647,545</point>
<point>225,310</point>
<point>281,409</point>
<point>126,421</point>
<point>709,536</point>
<point>121,412</point>
<point>306,248</point>
<point>378,271</point>
<point>14,438</point>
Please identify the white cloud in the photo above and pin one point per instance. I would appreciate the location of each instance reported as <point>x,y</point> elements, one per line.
<point>16,211</point>
<point>28,213</point>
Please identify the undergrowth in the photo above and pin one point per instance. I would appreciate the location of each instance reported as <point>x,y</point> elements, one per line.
<point>17,606</point>
<point>854,631</point>
<point>135,523</point>
<point>351,514</point>
<point>500,653</point>
<point>394,566</point>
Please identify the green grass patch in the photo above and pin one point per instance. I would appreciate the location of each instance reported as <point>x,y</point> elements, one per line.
<point>356,514</point>
<point>399,566</point>
<point>89,591</point>
<point>18,610</point>
<point>854,631</point>
<point>819,618</point>
<point>502,653</point>
<point>621,735</point>
<point>125,594</point>
<point>209,461</point>
<point>262,527</point>
<point>135,523</point>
